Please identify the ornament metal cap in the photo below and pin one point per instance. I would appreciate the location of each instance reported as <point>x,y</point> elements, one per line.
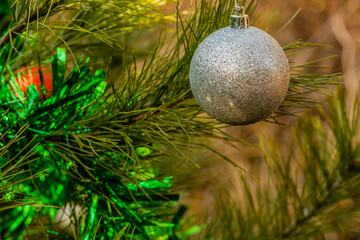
<point>239,19</point>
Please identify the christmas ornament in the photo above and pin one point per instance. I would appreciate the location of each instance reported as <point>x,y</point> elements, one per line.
<point>67,217</point>
<point>31,76</point>
<point>239,74</point>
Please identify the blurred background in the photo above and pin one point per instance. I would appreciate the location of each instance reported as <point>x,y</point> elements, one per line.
<point>335,23</point>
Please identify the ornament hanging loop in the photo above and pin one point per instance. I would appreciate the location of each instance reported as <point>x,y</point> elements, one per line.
<point>239,19</point>
<point>238,3</point>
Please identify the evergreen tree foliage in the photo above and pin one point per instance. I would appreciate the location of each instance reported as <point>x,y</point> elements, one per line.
<point>312,193</point>
<point>85,143</point>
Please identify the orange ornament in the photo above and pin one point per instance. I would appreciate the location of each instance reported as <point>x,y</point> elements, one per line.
<point>31,76</point>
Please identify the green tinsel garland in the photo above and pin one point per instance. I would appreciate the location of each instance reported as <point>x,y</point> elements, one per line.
<point>141,204</point>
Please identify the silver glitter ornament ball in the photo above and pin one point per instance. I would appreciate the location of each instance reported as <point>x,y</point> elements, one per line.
<point>239,75</point>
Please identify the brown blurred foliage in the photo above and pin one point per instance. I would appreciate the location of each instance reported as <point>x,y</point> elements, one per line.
<point>331,22</point>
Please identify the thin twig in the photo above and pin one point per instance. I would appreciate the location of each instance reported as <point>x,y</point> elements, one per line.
<point>19,27</point>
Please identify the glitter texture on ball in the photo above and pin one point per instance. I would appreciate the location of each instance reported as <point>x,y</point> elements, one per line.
<point>239,76</point>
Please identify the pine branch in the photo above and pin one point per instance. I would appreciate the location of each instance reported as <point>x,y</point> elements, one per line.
<point>283,208</point>
<point>304,220</point>
<point>104,148</point>
<point>146,116</point>
<point>13,170</point>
